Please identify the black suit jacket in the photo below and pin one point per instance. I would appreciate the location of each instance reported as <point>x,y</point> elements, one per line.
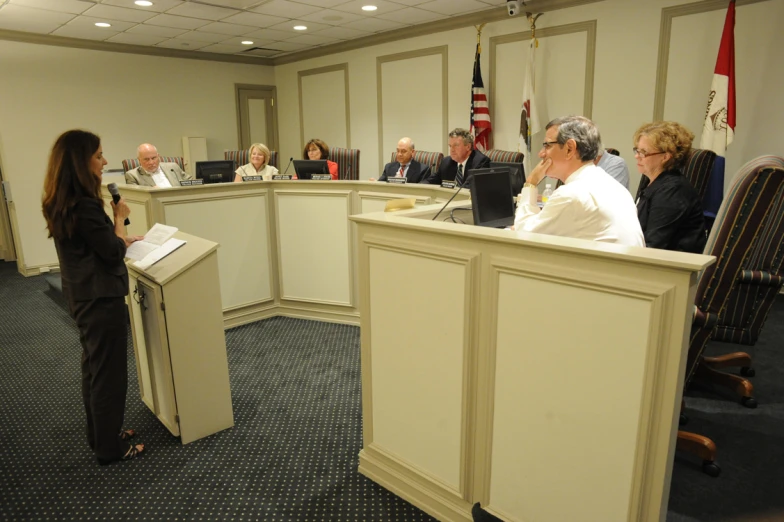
<point>448,168</point>
<point>91,261</point>
<point>416,173</point>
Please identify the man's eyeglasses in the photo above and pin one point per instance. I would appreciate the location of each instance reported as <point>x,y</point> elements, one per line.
<point>547,144</point>
<point>644,154</point>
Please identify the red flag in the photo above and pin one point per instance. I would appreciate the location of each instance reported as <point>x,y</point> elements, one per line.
<point>480,127</point>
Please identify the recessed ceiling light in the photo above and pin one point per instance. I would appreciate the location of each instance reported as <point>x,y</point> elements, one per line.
<point>369,8</point>
<point>143,3</point>
<point>102,24</point>
<point>300,27</point>
<point>247,42</point>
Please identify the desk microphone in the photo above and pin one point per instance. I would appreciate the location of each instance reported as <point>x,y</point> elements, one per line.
<point>289,165</point>
<point>450,199</point>
<point>112,187</point>
<point>176,176</point>
<point>348,169</point>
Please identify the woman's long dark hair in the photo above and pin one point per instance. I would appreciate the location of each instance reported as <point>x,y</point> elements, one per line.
<point>68,178</point>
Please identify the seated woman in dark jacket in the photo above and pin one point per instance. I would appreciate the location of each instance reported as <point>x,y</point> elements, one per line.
<point>669,209</point>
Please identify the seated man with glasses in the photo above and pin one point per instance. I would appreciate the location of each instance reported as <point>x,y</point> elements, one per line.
<point>153,173</point>
<point>463,158</point>
<point>590,204</point>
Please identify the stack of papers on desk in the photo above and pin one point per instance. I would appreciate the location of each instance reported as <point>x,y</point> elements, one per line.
<point>157,244</point>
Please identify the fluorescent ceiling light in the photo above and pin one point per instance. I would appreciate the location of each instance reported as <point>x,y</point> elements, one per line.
<point>247,42</point>
<point>102,24</point>
<point>369,8</point>
<point>143,3</point>
<point>300,27</point>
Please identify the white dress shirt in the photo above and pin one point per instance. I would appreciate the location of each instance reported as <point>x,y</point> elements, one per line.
<point>160,178</point>
<point>590,205</point>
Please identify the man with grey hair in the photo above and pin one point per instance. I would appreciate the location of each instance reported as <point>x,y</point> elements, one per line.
<point>613,165</point>
<point>590,204</point>
<point>462,159</point>
<point>153,173</point>
<point>405,166</point>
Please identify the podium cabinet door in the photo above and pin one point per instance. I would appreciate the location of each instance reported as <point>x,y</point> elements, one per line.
<point>157,349</point>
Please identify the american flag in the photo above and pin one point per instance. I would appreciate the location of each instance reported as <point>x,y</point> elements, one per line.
<point>481,127</point>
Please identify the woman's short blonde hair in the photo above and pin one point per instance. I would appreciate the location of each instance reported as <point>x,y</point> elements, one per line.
<point>667,136</point>
<point>263,149</point>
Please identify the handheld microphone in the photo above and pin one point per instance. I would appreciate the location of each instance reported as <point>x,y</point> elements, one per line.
<point>289,165</point>
<point>450,199</point>
<point>112,187</point>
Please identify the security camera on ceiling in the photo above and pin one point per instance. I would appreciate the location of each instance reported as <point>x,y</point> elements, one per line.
<point>513,7</point>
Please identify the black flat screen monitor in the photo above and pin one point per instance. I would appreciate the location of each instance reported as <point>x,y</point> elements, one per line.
<point>306,168</point>
<point>492,199</point>
<point>516,174</point>
<point>221,171</point>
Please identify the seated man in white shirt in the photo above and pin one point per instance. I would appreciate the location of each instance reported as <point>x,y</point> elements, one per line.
<point>590,204</point>
<point>153,173</point>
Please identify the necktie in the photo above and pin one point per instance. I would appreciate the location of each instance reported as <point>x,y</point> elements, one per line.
<point>459,176</point>
<point>400,174</point>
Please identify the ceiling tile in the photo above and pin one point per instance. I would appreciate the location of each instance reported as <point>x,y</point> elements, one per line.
<point>207,12</point>
<point>223,48</point>
<point>332,17</point>
<point>413,2</point>
<point>236,4</point>
<point>136,39</point>
<point>344,33</point>
<point>269,34</point>
<point>374,25</point>
<point>454,7</point>
<point>183,43</point>
<point>155,30</point>
<point>62,6</point>
<point>287,46</point>
<point>119,13</point>
<point>313,39</point>
<point>88,22</point>
<point>230,29</point>
<point>201,36</point>
<point>254,19</point>
<point>18,18</point>
<point>289,27</point>
<point>158,6</point>
<point>412,15</point>
<point>285,9</point>
<point>85,32</point>
<point>355,6</point>
<point>178,22</point>
<point>322,3</point>
<point>260,52</point>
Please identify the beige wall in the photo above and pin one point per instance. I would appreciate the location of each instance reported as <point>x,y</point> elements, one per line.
<point>126,99</point>
<point>624,86</point>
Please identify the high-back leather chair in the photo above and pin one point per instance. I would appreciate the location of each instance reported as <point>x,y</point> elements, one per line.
<point>431,159</point>
<point>697,169</point>
<point>241,157</point>
<point>132,163</point>
<point>347,160</point>
<point>746,238</point>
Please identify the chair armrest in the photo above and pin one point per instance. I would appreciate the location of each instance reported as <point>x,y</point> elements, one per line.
<point>760,278</point>
<point>703,320</point>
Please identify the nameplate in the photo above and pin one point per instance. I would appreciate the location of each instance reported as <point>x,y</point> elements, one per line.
<point>281,176</point>
<point>190,182</point>
<point>321,177</point>
<point>252,178</point>
<point>448,184</point>
<point>397,180</point>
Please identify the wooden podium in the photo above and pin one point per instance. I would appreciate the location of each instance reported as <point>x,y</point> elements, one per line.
<point>178,340</point>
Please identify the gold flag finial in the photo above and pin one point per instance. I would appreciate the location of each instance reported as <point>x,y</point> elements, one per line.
<point>532,21</point>
<point>479,35</point>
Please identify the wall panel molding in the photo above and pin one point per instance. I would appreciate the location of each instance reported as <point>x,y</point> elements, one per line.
<point>321,70</point>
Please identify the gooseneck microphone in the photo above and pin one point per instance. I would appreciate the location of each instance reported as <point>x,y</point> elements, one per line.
<point>450,199</point>
<point>112,187</point>
<point>289,165</point>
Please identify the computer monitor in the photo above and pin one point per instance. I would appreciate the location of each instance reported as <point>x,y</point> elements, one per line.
<point>516,174</point>
<point>306,168</point>
<point>492,199</point>
<point>219,171</point>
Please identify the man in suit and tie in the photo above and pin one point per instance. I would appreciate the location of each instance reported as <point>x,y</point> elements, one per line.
<point>153,173</point>
<point>462,159</point>
<point>406,166</point>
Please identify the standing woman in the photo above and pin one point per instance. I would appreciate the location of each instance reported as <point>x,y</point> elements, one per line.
<point>669,209</point>
<point>259,164</point>
<point>91,250</point>
<point>316,150</point>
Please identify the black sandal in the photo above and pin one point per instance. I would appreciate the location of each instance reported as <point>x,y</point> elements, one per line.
<point>127,434</point>
<point>132,453</point>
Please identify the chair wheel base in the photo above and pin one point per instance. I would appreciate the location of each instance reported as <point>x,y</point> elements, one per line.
<point>711,469</point>
<point>747,371</point>
<point>749,402</point>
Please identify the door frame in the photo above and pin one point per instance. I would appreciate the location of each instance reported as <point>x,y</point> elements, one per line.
<point>243,92</point>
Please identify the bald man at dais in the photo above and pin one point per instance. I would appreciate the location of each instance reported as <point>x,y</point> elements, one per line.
<point>406,166</point>
<point>153,173</point>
